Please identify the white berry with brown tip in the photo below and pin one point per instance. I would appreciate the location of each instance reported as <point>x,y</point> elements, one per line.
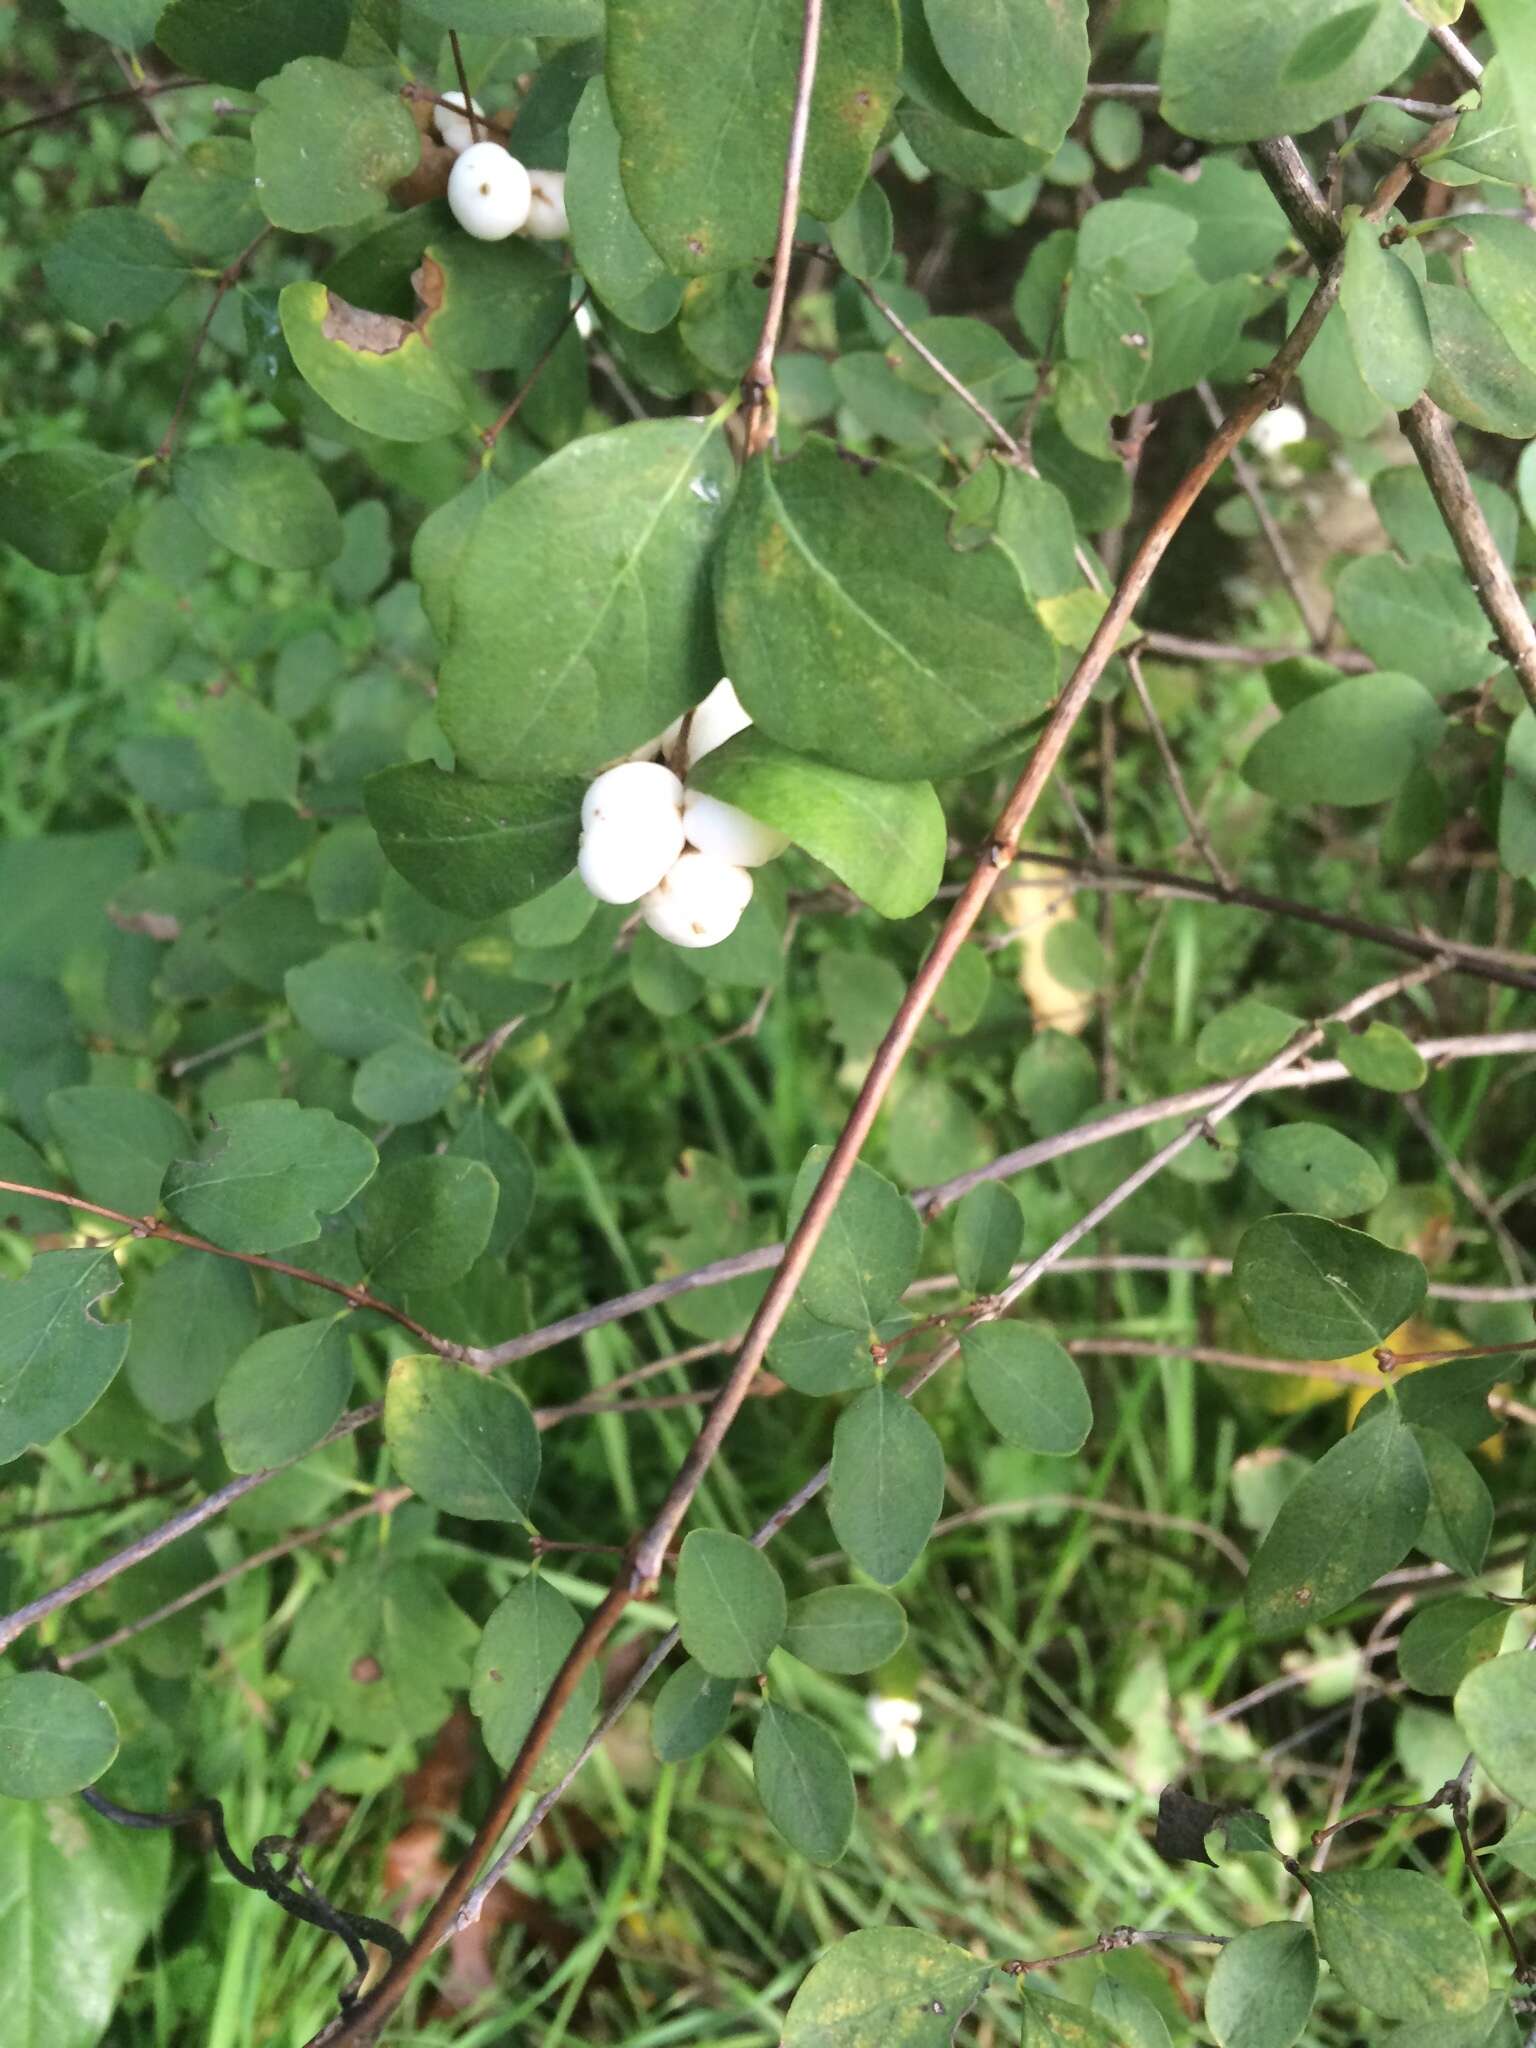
<point>548,220</point>
<point>452,124</point>
<point>489,191</point>
<point>699,902</point>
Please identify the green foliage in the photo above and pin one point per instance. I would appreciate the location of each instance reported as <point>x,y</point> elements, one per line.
<point>379,542</point>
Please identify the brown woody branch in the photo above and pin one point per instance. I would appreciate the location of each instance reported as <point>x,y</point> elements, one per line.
<point>757,380</point>
<point>1426,427</point>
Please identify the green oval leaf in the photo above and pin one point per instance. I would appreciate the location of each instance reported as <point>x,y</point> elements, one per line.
<point>524,1644</point>
<point>688,102</point>
<point>886,840</point>
<point>1236,70</point>
<point>1262,1987</point>
<point>1355,1515</point>
<point>885,1987</point>
<point>58,504</point>
<point>853,631</point>
<point>1496,1707</point>
<point>474,847</point>
<point>989,1229</point>
<point>1380,1056</point>
<point>1397,1941</point>
<point>1314,1289</point>
<point>730,1603</point>
<point>1477,376</point>
<point>562,657</point>
<point>55,1735</point>
<point>846,1629</point>
<point>266,1176</point>
<point>611,251</point>
<point>868,1252</point>
<point>1355,743</point>
<point>1022,63</point>
<point>1449,1638</point>
<point>56,1358</point>
<point>282,1394</point>
<point>234,43</point>
<point>263,503</point>
<point>887,1483</point>
<point>1315,1168</point>
<point>1383,310</point>
<point>1028,1388</point>
<point>426,1221</point>
<point>804,1783</point>
<point>691,1709</point>
<point>118,1142</point>
<point>467,1444</point>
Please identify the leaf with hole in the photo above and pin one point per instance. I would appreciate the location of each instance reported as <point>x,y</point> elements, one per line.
<point>1314,1168</point>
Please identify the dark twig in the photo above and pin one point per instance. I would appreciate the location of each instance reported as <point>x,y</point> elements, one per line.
<point>1315,621</point>
<point>945,375</point>
<point>469,105</point>
<point>228,278</point>
<point>1113,1938</point>
<point>494,432</point>
<point>149,1491</point>
<point>1200,839</point>
<point>147,91</point>
<point>261,1875</point>
<point>757,380</point>
<point>1180,647</point>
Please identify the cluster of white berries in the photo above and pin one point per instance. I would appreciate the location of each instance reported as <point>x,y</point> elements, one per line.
<point>492,195</point>
<point>684,857</point>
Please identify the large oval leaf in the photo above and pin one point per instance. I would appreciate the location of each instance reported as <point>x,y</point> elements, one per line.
<point>887,1483</point>
<point>57,1358</point>
<point>1355,743</point>
<point>886,1987</point>
<point>1261,1990</point>
<point>1314,1289</point>
<point>581,622</point>
<point>522,1649</point>
<point>854,631</point>
<point>1399,1943</point>
<point>868,1252</point>
<point>55,1735</point>
<point>1236,70</point>
<point>845,1628</point>
<point>1355,1515</point>
<point>1496,1706</point>
<point>467,1444</point>
<point>690,99</point>
<point>804,1783</point>
<point>730,1603</point>
<point>884,839</point>
<point>1028,1388</point>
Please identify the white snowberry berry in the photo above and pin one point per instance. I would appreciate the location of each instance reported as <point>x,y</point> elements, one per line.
<point>489,191</point>
<point>632,830</point>
<point>699,902</point>
<point>719,718</point>
<point>547,218</point>
<point>729,833</point>
<point>631,794</point>
<point>449,119</point>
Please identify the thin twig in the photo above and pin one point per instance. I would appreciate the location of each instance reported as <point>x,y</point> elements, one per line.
<point>1470,67</point>
<point>757,380</point>
<point>1315,621</point>
<point>1323,1841</point>
<point>494,432</point>
<point>228,277</point>
<point>1467,1185</point>
<point>147,91</point>
<point>1082,1503</point>
<point>1200,839</point>
<point>945,375</point>
<point>381,1503</point>
<point>1113,1938</point>
<point>469,105</point>
<point>149,1491</point>
<point>1428,430</point>
<point>1508,971</point>
<point>1180,647</point>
